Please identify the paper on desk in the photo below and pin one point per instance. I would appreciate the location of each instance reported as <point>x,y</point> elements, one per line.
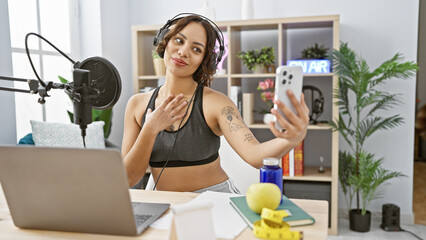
<point>227,222</point>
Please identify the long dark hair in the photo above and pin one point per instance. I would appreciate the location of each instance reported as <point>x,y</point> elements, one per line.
<point>206,70</point>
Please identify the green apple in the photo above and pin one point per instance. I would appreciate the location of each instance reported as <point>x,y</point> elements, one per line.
<point>263,195</point>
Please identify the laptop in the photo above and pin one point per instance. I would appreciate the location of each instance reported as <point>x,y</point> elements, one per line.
<point>75,190</point>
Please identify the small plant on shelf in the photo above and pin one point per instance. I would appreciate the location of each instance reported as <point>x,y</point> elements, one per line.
<point>267,95</point>
<point>255,59</point>
<point>315,52</point>
<point>159,66</point>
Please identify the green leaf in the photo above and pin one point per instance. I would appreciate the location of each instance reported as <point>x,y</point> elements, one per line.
<point>373,124</point>
<point>105,116</point>
<point>63,80</point>
<point>71,116</point>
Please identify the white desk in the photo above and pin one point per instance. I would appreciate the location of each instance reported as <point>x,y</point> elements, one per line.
<point>317,209</point>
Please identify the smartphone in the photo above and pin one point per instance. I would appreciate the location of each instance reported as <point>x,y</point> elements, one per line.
<point>287,77</point>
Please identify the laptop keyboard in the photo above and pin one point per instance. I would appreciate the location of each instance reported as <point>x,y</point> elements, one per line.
<point>140,219</point>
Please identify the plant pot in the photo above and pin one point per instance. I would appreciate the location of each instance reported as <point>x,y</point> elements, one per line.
<point>358,222</point>
<point>268,117</point>
<point>270,68</point>
<point>259,69</point>
<point>159,67</point>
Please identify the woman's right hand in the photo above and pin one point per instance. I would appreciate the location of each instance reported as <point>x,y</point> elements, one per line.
<point>165,114</point>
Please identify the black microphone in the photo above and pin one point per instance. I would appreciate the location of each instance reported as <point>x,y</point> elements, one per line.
<point>97,84</point>
<point>80,96</point>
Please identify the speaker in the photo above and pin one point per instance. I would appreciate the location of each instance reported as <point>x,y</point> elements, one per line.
<point>390,217</point>
<point>217,57</point>
<point>317,102</point>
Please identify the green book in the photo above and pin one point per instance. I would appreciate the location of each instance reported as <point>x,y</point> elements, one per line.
<point>298,216</point>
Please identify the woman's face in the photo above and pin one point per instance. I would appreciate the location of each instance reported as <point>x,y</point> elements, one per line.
<point>185,51</point>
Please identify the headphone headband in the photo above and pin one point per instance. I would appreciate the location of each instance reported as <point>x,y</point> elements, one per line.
<point>219,35</point>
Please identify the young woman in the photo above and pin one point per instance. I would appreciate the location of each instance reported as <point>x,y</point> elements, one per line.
<point>159,133</point>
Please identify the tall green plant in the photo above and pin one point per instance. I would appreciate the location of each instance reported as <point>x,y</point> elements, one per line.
<point>359,101</point>
<point>97,115</point>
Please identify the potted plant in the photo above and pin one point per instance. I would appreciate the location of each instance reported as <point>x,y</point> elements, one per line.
<point>314,52</point>
<point>97,115</point>
<point>267,88</point>
<point>159,66</point>
<point>259,61</point>
<point>359,100</point>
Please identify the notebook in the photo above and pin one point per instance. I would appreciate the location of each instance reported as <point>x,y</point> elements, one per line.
<point>75,190</point>
<point>298,216</point>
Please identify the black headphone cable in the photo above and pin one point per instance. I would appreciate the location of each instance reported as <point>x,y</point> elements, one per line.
<point>177,132</point>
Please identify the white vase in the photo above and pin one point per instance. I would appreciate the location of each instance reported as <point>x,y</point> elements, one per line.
<point>207,11</point>
<point>247,9</point>
<point>268,117</point>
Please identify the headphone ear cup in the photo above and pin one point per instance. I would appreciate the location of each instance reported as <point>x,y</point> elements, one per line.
<point>213,61</point>
<point>159,38</point>
<point>161,53</point>
<point>318,106</point>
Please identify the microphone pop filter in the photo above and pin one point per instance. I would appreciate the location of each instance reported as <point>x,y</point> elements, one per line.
<point>105,79</point>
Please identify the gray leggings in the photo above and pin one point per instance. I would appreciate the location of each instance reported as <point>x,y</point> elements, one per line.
<point>227,186</point>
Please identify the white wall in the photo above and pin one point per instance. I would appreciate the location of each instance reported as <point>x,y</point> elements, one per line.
<point>116,46</point>
<point>105,31</point>
<point>7,99</point>
<point>421,75</point>
<point>90,32</point>
<point>373,29</point>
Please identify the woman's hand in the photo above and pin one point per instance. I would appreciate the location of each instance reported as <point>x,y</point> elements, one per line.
<point>165,114</point>
<point>297,124</point>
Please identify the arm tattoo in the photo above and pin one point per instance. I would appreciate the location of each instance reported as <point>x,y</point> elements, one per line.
<point>233,119</point>
<point>248,137</point>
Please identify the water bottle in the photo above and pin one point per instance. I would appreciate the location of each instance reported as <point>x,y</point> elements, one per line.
<point>271,172</point>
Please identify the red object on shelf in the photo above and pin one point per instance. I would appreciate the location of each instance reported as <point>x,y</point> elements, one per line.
<point>298,160</point>
<point>285,164</point>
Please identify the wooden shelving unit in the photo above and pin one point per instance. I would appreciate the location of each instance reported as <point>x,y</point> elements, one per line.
<point>278,30</point>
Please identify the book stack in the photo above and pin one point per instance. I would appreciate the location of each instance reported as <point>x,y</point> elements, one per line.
<point>298,217</point>
<point>293,162</point>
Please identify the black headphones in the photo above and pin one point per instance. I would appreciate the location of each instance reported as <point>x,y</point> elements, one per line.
<point>217,57</point>
<point>317,104</point>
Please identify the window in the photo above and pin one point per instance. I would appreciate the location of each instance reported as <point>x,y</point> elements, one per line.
<point>57,21</point>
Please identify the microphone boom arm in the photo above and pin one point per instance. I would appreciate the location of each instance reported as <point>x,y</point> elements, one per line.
<point>34,87</point>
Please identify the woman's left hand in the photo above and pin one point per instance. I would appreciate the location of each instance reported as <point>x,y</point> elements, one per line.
<point>297,124</point>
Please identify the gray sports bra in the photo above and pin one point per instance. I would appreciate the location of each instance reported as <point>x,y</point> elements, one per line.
<point>196,144</point>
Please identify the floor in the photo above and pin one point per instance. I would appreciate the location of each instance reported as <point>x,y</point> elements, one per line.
<point>376,233</point>
<point>419,209</point>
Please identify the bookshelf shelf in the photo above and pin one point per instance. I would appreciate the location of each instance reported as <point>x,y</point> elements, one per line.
<point>272,75</point>
<point>311,174</point>
<point>318,75</point>
<point>254,75</point>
